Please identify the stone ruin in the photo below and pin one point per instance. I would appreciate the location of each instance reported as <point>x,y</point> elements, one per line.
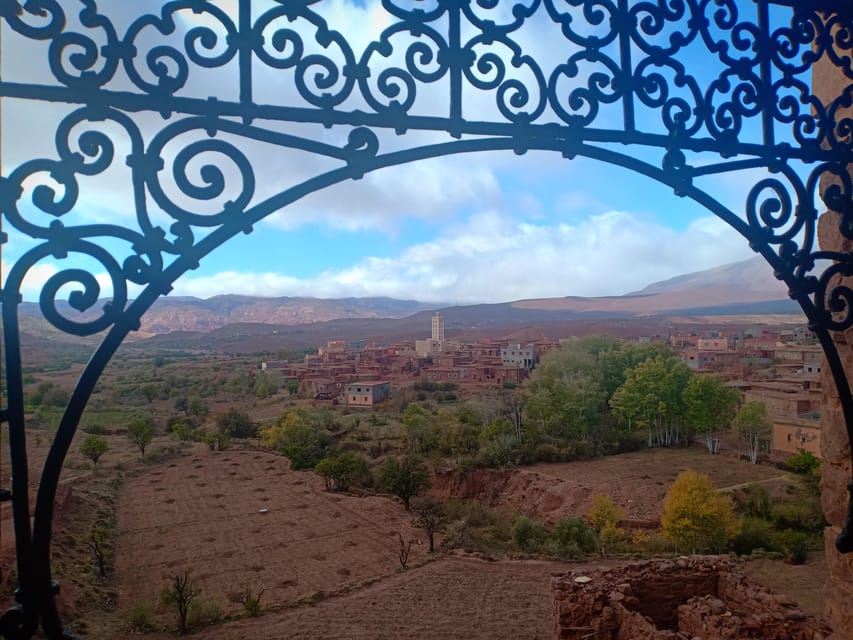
<point>692,598</point>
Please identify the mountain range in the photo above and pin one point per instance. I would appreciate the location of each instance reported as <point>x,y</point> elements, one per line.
<point>243,323</point>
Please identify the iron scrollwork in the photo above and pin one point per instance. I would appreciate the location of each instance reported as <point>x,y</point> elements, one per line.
<point>443,77</point>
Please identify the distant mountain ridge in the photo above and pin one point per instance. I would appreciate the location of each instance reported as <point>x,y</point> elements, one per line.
<point>185,313</point>
<point>742,287</point>
<point>752,275</point>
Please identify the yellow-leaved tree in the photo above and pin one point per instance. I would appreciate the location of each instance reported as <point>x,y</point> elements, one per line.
<point>695,517</point>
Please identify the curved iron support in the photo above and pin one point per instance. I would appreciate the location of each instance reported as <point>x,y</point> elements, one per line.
<point>620,81</point>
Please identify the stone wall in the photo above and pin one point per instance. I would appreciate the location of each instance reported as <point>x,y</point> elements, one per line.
<point>828,81</point>
<point>701,597</point>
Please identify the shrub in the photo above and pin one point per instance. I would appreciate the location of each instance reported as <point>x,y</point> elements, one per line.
<point>649,542</point>
<point>756,502</point>
<point>138,619</point>
<point>805,463</point>
<point>203,613</point>
<point>528,534</point>
<point>251,602</point>
<point>95,429</point>
<point>797,515</point>
<point>755,533</point>
<point>297,438</point>
<point>572,537</point>
<point>547,452</point>
<point>794,544</point>
<point>604,513</point>
<point>236,424</point>
<point>339,471</point>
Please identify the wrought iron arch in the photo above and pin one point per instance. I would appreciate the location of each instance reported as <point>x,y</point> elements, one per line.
<point>618,82</point>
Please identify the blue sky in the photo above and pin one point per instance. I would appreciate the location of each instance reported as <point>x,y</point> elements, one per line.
<point>478,228</point>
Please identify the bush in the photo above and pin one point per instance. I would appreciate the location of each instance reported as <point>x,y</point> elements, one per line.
<point>547,452</point>
<point>251,602</point>
<point>755,502</point>
<point>797,515</point>
<point>794,544</point>
<point>95,429</point>
<point>755,533</point>
<point>650,542</point>
<point>604,513</point>
<point>138,619</point>
<point>339,471</point>
<point>572,537</point>
<point>203,613</point>
<point>528,534</point>
<point>805,463</point>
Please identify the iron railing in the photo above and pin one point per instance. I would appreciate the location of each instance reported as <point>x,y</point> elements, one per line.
<point>678,90</point>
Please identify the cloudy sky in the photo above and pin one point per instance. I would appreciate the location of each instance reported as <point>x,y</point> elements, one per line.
<point>488,227</point>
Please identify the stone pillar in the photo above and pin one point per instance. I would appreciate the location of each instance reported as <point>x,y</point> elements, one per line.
<point>828,83</point>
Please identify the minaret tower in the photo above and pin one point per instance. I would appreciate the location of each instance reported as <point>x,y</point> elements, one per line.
<point>437,327</point>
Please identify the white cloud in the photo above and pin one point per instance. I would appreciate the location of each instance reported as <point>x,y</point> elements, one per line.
<point>493,257</point>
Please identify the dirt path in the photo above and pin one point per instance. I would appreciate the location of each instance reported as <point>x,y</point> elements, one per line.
<point>744,485</point>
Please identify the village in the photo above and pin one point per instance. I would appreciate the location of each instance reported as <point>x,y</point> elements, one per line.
<point>779,367</point>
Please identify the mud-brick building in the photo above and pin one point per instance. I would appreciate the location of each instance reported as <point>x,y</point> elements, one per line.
<point>367,393</point>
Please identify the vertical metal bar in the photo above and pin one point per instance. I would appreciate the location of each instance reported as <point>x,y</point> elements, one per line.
<point>18,456</point>
<point>454,42</point>
<point>766,95</point>
<point>244,27</point>
<point>624,27</point>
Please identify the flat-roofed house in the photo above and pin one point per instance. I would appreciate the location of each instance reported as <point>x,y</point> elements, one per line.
<point>367,393</point>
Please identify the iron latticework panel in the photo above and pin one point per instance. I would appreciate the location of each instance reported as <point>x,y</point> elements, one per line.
<point>179,101</point>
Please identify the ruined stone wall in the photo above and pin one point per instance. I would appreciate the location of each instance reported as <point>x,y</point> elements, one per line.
<point>682,599</point>
<point>828,81</point>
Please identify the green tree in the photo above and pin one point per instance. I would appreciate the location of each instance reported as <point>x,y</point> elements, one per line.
<point>710,406</point>
<point>418,429</point>
<point>432,518</point>
<point>266,384</point>
<point>141,432</point>
<point>93,447</point>
<point>340,470</point>
<point>237,424</point>
<point>150,391</point>
<point>564,397</point>
<point>753,427</point>
<point>297,438</point>
<point>695,517</point>
<point>405,478</point>
<point>652,398</point>
<point>499,444</point>
<point>197,407</point>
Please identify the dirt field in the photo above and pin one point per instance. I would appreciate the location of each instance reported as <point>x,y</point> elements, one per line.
<point>636,482</point>
<point>205,513</point>
<point>329,562</point>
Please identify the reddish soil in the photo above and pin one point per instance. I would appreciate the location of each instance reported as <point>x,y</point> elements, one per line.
<point>204,513</point>
<point>449,598</point>
<point>636,482</point>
